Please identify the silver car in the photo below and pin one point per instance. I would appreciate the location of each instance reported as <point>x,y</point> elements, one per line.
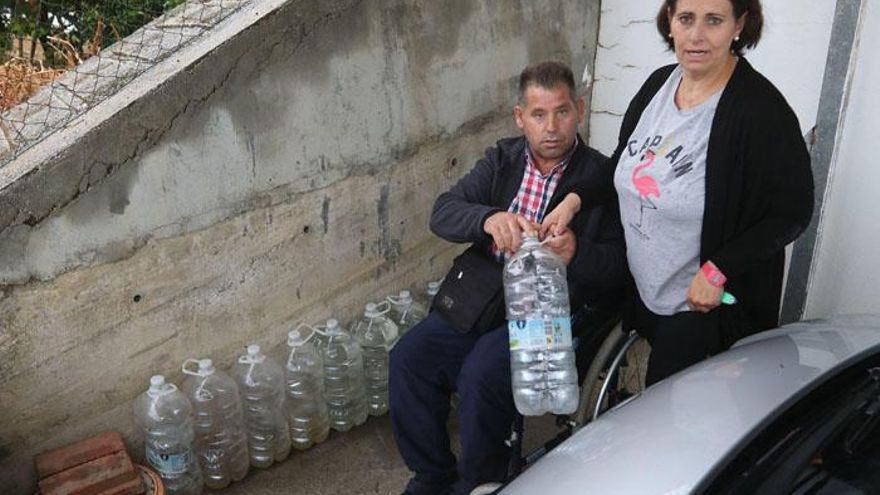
<point>791,410</point>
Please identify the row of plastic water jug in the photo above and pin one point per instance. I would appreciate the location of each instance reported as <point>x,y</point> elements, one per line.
<point>322,385</point>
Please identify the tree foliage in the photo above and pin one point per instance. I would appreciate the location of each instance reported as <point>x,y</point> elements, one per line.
<point>86,25</point>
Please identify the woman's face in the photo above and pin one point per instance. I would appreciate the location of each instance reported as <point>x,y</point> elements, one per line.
<point>702,31</point>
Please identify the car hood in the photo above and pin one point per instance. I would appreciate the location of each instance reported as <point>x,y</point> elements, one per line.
<point>667,439</point>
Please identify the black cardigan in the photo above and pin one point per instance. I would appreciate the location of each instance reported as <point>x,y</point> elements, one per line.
<point>759,193</point>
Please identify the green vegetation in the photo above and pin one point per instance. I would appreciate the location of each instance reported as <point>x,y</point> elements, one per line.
<point>68,30</point>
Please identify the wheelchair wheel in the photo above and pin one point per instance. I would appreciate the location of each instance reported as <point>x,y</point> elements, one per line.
<point>616,373</point>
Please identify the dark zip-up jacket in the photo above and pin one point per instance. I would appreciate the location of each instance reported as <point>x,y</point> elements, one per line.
<point>759,193</point>
<point>599,262</point>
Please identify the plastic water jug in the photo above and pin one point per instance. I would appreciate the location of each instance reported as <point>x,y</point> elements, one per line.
<point>164,417</point>
<point>304,372</point>
<point>220,439</point>
<point>260,382</point>
<point>376,333</point>
<point>541,354</point>
<point>343,379</point>
<point>405,311</point>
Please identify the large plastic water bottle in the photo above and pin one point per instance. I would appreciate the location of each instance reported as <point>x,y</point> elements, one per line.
<point>306,409</point>
<point>542,360</point>
<point>220,439</point>
<point>261,385</point>
<point>343,379</point>
<point>405,311</point>
<point>376,333</point>
<point>164,416</point>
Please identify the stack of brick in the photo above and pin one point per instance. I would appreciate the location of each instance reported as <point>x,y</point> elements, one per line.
<point>96,466</point>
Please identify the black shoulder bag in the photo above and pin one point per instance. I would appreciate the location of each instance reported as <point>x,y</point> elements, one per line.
<point>471,296</point>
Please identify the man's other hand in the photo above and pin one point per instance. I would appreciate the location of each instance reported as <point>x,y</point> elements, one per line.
<point>507,230</point>
<point>564,245</point>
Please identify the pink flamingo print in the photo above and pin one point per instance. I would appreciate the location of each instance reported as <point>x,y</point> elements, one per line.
<point>645,184</point>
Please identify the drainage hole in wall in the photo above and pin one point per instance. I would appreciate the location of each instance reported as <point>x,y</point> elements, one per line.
<point>137,298</point>
<point>306,229</point>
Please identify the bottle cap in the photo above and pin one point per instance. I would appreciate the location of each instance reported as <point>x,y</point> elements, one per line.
<point>206,367</point>
<point>530,239</point>
<point>157,383</point>
<point>433,288</point>
<point>370,310</point>
<point>253,355</point>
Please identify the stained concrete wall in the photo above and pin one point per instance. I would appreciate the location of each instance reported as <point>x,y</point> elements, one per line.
<point>846,268</point>
<point>282,168</point>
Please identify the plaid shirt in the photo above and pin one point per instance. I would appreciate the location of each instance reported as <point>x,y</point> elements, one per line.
<point>535,191</point>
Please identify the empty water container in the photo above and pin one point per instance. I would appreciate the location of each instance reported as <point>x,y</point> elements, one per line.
<point>544,376</point>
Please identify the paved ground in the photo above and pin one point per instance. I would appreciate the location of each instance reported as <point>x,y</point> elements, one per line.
<point>365,459</point>
<point>361,461</point>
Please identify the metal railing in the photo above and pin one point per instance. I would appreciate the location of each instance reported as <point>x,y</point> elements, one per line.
<point>52,97</point>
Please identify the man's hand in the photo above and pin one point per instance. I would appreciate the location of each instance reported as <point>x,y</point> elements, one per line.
<point>703,296</point>
<point>557,220</point>
<point>506,230</point>
<point>564,245</point>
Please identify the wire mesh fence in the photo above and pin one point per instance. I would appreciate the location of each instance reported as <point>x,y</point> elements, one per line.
<point>60,58</point>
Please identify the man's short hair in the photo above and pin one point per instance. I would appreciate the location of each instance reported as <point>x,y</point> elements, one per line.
<point>546,75</point>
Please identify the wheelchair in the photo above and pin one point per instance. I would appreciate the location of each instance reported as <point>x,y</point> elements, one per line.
<point>611,367</point>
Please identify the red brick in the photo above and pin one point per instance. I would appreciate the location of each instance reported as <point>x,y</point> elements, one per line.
<point>92,478</point>
<point>57,460</point>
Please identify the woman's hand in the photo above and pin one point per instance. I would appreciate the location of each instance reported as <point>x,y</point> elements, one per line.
<point>564,245</point>
<point>557,220</point>
<point>703,296</point>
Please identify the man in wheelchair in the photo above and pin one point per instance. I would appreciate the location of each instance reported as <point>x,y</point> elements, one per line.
<point>461,347</point>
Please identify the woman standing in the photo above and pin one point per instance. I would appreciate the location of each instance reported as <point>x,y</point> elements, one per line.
<point>713,179</point>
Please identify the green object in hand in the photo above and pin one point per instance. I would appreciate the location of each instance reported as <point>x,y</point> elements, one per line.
<point>728,298</point>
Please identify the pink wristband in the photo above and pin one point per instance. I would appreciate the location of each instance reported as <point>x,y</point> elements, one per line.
<point>713,274</point>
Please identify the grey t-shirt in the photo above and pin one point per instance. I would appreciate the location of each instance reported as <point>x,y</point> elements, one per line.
<point>660,181</point>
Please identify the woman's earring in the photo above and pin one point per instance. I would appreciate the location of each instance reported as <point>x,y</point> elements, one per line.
<point>736,38</point>
<point>670,35</point>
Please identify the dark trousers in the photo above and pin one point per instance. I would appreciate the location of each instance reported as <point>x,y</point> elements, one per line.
<point>427,365</point>
<point>677,341</point>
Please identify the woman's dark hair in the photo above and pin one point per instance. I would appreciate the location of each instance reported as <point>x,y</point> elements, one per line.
<point>748,38</point>
<point>546,75</point>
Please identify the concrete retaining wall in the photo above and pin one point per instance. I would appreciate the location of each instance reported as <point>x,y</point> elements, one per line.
<point>282,168</point>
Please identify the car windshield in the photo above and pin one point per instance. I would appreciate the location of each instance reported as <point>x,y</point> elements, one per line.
<point>849,461</point>
<point>826,443</point>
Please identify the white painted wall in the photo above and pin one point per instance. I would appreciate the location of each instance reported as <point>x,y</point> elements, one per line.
<point>791,54</point>
<point>847,267</point>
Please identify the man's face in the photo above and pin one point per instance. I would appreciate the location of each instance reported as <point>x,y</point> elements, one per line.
<point>549,120</point>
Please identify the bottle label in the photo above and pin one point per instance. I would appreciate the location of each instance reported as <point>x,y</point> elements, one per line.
<point>539,334</point>
<point>169,464</point>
